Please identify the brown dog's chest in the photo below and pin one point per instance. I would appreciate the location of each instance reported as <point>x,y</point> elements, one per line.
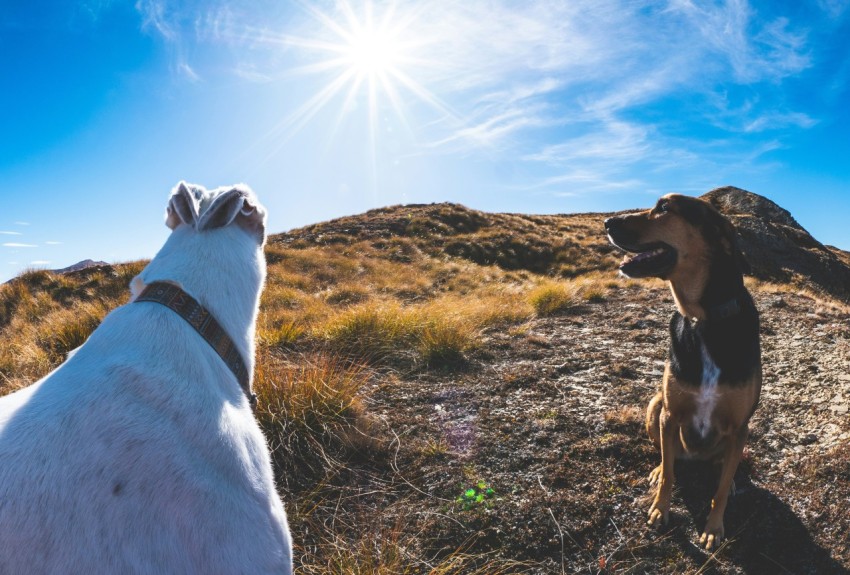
<point>707,412</point>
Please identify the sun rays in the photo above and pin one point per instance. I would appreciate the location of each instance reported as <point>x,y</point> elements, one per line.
<point>361,53</point>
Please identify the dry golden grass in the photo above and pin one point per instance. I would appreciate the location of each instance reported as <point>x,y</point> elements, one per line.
<point>384,301</point>
<point>378,550</point>
<point>824,301</point>
<point>43,316</point>
<point>551,298</point>
<point>311,412</point>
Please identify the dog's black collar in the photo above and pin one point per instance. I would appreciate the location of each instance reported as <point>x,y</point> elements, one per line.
<point>724,310</point>
<point>205,324</point>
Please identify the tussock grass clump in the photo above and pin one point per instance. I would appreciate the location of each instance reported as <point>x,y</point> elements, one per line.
<point>551,298</point>
<point>593,289</point>
<point>347,295</point>
<point>372,331</point>
<point>385,331</point>
<point>311,413</point>
<point>67,329</point>
<point>285,334</point>
<point>438,332</point>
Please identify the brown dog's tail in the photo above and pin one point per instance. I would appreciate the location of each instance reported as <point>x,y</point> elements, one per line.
<point>653,416</point>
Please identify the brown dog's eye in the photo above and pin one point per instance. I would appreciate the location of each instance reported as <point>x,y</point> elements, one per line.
<point>662,207</point>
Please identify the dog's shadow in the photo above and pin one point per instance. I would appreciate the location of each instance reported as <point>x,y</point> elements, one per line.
<point>765,535</point>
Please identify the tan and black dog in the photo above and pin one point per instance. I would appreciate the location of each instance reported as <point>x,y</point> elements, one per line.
<point>712,379</point>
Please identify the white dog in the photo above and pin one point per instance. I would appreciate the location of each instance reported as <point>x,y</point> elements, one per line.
<point>140,454</point>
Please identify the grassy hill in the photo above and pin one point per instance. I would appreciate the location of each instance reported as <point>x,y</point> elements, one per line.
<point>451,391</point>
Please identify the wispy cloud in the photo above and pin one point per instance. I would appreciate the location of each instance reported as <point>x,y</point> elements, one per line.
<point>18,245</point>
<point>53,243</point>
<point>40,263</point>
<point>615,140</point>
<point>8,233</point>
<point>157,16</point>
<point>835,8</point>
<point>575,90</point>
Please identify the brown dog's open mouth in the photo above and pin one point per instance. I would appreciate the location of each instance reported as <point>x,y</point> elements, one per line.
<point>649,261</point>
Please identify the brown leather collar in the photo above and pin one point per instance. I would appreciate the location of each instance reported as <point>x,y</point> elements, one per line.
<point>196,315</point>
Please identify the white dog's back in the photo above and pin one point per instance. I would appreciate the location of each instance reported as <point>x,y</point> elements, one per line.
<point>138,455</point>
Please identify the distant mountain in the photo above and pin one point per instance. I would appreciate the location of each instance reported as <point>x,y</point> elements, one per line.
<point>79,266</point>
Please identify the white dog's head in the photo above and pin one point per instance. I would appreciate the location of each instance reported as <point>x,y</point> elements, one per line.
<point>215,250</point>
<point>206,210</point>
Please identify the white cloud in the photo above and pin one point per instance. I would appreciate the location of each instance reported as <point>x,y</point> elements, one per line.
<point>560,85</point>
<point>615,141</point>
<point>754,50</point>
<point>18,245</point>
<point>155,15</point>
<point>834,8</point>
<point>40,263</point>
<point>250,73</point>
<point>184,69</point>
<point>775,120</point>
<point>53,243</point>
<point>7,233</point>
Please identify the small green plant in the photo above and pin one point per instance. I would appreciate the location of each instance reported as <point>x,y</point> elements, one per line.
<point>480,495</point>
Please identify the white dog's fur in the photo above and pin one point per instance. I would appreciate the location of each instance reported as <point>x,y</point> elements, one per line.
<point>140,454</point>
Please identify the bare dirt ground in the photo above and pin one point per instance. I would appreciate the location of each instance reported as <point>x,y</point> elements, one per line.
<point>534,452</point>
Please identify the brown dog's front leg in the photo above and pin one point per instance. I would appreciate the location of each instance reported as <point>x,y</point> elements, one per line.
<point>714,530</point>
<point>659,513</point>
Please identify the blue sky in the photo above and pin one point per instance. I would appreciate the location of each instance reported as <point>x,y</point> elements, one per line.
<point>331,108</point>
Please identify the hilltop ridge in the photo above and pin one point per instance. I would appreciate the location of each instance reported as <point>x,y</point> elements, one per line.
<point>777,248</point>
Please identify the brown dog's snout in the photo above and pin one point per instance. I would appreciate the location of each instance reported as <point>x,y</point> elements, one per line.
<point>617,231</point>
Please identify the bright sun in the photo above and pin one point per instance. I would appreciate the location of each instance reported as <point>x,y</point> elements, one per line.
<point>362,52</point>
<point>373,52</point>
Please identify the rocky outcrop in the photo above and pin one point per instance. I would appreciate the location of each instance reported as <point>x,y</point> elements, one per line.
<point>778,248</point>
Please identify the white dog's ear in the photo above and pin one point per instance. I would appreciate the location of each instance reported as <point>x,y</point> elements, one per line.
<point>182,207</point>
<point>252,217</point>
<point>239,205</point>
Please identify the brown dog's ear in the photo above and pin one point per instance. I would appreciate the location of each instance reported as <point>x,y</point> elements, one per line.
<point>719,229</point>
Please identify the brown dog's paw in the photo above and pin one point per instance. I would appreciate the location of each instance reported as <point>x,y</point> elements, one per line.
<point>655,475</point>
<point>659,513</point>
<point>713,534</point>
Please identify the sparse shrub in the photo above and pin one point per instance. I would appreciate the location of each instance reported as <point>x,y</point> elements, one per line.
<point>436,447</point>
